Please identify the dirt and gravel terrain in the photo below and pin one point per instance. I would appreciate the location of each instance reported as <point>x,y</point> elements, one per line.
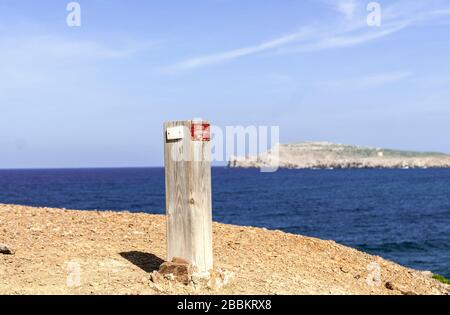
<point>58,251</point>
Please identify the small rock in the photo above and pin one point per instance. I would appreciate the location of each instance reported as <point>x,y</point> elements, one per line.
<point>345,269</point>
<point>169,277</point>
<point>389,286</point>
<point>178,269</point>
<point>6,250</point>
<point>219,278</point>
<point>156,287</point>
<point>144,280</point>
<point>200,278</point>
<point>177,260</point>
<point>155,276</point>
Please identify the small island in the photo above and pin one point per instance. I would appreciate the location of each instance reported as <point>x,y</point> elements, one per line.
<point>326,155</point>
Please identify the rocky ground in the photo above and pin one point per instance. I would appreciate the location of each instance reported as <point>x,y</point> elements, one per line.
<point>57,251</point>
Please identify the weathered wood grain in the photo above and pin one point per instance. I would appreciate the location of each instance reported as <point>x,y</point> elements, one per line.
<point>188,198</point>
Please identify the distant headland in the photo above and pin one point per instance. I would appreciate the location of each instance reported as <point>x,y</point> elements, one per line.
<point>326,155</point>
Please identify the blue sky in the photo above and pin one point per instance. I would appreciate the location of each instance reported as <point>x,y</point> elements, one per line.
<point>97,95</point>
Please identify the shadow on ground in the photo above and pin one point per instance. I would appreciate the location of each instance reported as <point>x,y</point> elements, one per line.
<point>146,261</point>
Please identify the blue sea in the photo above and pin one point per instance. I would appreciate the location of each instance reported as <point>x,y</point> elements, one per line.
<point>402,215</point>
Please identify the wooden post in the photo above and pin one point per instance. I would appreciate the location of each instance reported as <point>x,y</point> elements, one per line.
<point>187,158</point>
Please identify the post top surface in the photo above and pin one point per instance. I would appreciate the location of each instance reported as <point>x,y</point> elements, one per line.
<point>204,121</point>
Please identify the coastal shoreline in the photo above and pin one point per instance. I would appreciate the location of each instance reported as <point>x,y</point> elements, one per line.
<point>326,155</point>
<point>117,251</point>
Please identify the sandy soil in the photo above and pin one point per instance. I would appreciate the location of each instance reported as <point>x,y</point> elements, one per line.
<point>61,251</point>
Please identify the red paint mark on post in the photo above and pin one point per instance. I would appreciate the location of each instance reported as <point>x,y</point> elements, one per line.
<point>200,131</point>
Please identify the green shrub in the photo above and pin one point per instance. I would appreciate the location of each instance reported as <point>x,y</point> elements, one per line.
<point>441,279</point>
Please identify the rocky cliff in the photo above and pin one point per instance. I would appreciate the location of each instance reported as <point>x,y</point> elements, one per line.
<point>325,155</point>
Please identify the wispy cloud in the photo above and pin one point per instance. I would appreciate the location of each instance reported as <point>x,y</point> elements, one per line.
<point>240,52</point>
<point>344,40</point>
<point>441,12</point>
<point>369,81</point>
<point>346,7</point>
<point>330,36</point>
<point>51,47</point>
